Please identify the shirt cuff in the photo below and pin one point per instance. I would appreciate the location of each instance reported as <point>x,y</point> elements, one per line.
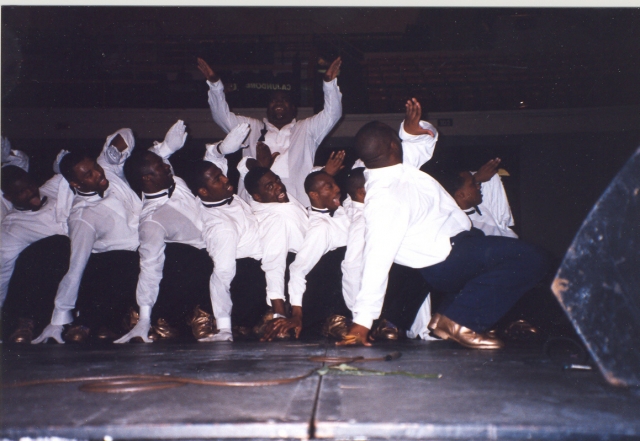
<point>330,84</point>
<point>424,124</point>
<point>295,300</point>
<point>215,86</point>
<point>223,323</point>
<point>363,320</point>
<point>145,312</point>
<point>242,167</point>
<point>60,317</point>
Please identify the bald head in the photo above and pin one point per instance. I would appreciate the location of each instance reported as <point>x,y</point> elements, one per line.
<point>378,145</point>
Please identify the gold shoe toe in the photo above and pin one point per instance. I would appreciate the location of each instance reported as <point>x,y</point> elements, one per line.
<point>24,333</point>
<point>163,331</point>
<point>202,324</point>
<point>384,330</point>
<point>335,326</point>
<point>448,329</point>
<point>77,334</point>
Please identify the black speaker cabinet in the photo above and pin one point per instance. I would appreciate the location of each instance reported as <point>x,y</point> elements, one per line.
<point>598,283</point>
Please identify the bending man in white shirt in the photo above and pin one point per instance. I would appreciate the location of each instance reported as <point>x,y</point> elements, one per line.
<point>103,228</point>
<point>231,232</point>
<point>174,264</point>
<point>30,230</point>
<point>412,220</point>
<point>296,142</point>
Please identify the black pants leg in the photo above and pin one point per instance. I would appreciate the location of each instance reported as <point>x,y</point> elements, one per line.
<point>405,294</point>
<point>248,293</point>
<point>34,283</point>
<point>184,285</point>
<point>323,296</point>
<point>484,276</point>
<point>108,289</point>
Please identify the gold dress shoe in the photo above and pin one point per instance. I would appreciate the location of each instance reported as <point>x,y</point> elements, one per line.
<point>105,334</point>
<point>448,329</point>
<point>260,329</point>
<point>433,323</point>
<point>130,320</point>
<point>202,324</point>
<point>335,326</point>
<point>382,330</point>
<point>162,331</point>
<point>77,334</point>
<point>241,332</point>
<point>24,333</point>
<point>521,330</point>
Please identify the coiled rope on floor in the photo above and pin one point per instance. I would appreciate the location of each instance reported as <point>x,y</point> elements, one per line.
<point>143,382</point>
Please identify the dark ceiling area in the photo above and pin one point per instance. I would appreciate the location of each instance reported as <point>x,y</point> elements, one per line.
<point>452,59</point>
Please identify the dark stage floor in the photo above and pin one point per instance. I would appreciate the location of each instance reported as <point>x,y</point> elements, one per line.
<point>517,393</point>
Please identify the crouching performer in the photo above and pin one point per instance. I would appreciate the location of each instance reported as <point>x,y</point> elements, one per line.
<point>231,233</point>
<point>174,264</point>
<point>412,220</point>
<point>103,229</point>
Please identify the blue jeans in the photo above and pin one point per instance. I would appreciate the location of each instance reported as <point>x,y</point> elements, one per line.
<point>484,276</point>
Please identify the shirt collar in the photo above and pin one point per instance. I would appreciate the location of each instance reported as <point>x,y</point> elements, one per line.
<point>166,192</point>
<point>43,201</point>
<point>88,195</point>
<point>323,211</point>
<point>219,203</point>
<point>273,128</point>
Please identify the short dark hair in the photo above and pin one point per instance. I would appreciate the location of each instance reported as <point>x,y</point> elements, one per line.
<point>195,177</point>
<point>252,178</point>
<point>136,167</point>
<point>355,181</point>
<point>372,137</point>
<point>10,175</point>
<point>450,180</point>
<point>310,180</point>
<point>70,160</point>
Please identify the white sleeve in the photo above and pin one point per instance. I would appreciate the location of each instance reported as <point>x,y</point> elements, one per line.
<point>113,159</point>
<point>275,243</point>
<point>315,245</point>
<point>352,264</point>
<point>222,246</point>
<point>215,157</point>
<point>495,197</point>
<point>386,222</point>
<point>82,236</point>
<point>11,248</point>
<point>151,251</point>
<point>220,112</point>
<point>418,149</point>
<point>320,124</point>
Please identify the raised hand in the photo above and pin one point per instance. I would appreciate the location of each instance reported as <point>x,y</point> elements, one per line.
<point>141,329</point>
<point>487,171</point>
<point>333,70</point>
<point>412,117</point>
<point>334,163</point>
<point>175,137</point>
<point>56,162</point>
<point>6,149</point>
<point>208,73</point>
<point>51,331</point>
<point>357,336</point>
<point>233,141</point>
<point>264,156</point>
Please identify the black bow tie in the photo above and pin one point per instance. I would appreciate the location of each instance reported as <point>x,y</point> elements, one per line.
<point>475,210</point>
<point>263,132</point>
<point>93,193</point>
<point>167,193</point>
<point>43,202</point>
<point>329,212</point>
<point>219,204</point>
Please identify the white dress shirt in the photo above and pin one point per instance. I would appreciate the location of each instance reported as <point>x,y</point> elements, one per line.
<point>282,227</point>
<point>230,231</point>
<point>325,233</point>
<point>296,142</point>
<point>164,219</point>
<point>97,225</point>
<point>493,216</point>
<point>409,219</point>
<point>352,264</point>
<point>21,228</point>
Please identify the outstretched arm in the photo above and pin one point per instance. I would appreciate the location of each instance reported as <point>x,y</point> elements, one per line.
<point>321,124</point>
<point>418,137</point>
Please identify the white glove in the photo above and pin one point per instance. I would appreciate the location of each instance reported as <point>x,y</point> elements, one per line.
<point>56,162</point>
<point>51,331</point>
<point>223,335</point>
<point>141,329</point>
<point>175,137</point>
<point>234,139</point>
